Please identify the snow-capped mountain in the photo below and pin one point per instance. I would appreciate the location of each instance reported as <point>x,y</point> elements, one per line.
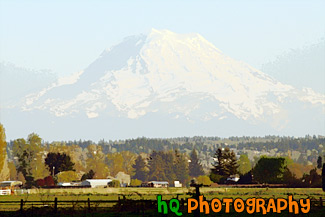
<point>16,82</point>
<point>177,76</point>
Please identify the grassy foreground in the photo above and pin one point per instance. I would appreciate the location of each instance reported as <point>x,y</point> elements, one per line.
<point>40,202</point>
<point>168,193</point>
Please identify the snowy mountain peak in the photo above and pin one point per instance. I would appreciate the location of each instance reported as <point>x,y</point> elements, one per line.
<point>193,40</point>
<point>182,76</point>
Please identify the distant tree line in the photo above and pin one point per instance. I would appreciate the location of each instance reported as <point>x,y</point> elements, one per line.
<point>39,163</point>
<point>284,144</point>
<point>209,144</point>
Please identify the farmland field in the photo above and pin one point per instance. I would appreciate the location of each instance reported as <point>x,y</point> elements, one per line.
<point>108,198</point>
<point>168,193</point>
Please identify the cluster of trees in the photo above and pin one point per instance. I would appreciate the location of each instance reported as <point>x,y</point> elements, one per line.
<point>203,144</point>
<point>168,166</point>
<point>39,163</point>
<point>29,159</point>
<point>225,165</point>
<point>302,150</point>
<point>283,144</point>
<point>270,170</point>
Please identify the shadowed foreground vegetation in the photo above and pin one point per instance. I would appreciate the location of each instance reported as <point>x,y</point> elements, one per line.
<point>141,210</point>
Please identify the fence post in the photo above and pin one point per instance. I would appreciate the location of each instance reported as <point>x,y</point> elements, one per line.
<point>142,207</point>
<point>182,204</point>
<point>88,204</point>
<point>321,201</point>
<point>197,196</point>
<point>55,205</point>
<point>21,205</point>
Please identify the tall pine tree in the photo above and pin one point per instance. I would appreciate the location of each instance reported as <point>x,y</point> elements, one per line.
<point>319,162</point>
<point>195,167</point>
<point>156,166</point>
<point>323,177</point>
<point>181,168</point>
<point>169,165</point>
<point>140,169</point>
<point>225,163</point>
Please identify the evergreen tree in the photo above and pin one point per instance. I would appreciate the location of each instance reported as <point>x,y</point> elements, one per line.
<point>169,165</point>
<point>156,167</point>
<point>88,175</point>
<point>319,162</point>
<point>58,162</point>
<point>270,170</point>
<point>313,179</point>
<point>140,169</point>
<point>323,177</point>
<point>181,168</point>
<point>195,167</point>
<point>225,162</point>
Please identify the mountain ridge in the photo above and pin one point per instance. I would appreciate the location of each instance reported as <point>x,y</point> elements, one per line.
<point>177,77</point>
<point>168,71</point>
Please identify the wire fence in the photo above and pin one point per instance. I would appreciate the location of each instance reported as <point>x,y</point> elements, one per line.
<point>96,204</point>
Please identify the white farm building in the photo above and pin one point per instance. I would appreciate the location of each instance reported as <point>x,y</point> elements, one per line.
<point>96,183</point>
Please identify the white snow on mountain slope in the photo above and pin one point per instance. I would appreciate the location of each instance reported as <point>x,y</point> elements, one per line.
<point>66,80</point>
<point>69,79</point>
<point>169,73</point>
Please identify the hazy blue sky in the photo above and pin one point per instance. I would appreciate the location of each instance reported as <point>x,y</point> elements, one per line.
<point>66,36</point>
<point>283,38</point>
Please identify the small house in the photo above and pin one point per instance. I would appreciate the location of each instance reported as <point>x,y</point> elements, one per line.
<point>96,183</point>
<point>8,187</point>
<point>177,184</point>
<point>64,184</point>
<point>156,184</point>
<point>232,179</point>
<point>123,178</point>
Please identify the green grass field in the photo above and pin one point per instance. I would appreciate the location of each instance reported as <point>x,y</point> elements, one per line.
<point>168,193</point>
<point>70,199</point>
